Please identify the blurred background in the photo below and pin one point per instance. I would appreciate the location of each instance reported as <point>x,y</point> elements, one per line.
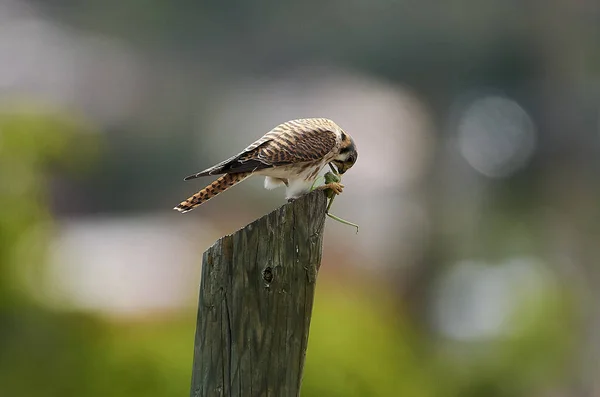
<point>475,272</point>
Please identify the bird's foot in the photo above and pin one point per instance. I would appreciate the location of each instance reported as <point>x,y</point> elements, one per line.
<point>335,187</point>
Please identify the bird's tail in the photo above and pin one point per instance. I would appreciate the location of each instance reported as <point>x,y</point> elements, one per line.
<point>219,185</point>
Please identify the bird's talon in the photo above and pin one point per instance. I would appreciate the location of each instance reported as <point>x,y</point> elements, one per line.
<point>335,187</point>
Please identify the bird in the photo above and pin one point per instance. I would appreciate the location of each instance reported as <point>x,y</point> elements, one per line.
<point>292,154</point>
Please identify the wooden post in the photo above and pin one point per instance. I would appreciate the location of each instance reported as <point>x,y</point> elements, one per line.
<point>256,297</point>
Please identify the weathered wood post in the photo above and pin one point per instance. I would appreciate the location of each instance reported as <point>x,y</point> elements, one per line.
<point>256,298</point>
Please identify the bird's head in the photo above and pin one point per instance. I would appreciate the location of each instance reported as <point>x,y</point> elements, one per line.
<point>347,154</point>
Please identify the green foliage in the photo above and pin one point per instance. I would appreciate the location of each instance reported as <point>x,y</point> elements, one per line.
<point>39,348</point>
<point>49,353</point>
<point>31,141</point>
<point>357,347</point>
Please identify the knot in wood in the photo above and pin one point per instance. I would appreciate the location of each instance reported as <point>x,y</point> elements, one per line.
<point>268,274</point>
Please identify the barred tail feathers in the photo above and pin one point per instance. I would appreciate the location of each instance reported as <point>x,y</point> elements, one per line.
<point>219,185</point>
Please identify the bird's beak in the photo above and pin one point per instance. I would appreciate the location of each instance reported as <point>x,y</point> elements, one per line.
<point>335,171</point>
<point>341,168</point>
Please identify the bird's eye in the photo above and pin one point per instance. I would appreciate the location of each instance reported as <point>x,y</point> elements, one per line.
<point>351,158</point>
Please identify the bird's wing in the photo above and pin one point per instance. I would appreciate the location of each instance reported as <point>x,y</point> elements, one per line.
<point>296,141</point>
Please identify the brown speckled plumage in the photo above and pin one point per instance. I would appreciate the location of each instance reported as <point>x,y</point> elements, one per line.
<point>292,153</point>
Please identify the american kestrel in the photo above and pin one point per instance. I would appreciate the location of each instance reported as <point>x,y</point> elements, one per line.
<point>291,154</point>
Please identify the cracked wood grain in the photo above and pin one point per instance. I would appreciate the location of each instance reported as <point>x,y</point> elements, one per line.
<point>255,304</point>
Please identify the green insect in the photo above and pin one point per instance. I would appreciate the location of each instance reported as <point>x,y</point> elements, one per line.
<point>330,179</point>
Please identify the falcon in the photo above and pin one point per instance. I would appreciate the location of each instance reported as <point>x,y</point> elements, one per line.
<point>291,154</point>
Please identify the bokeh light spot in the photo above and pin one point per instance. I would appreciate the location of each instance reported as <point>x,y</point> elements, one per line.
<point>496,136</point>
